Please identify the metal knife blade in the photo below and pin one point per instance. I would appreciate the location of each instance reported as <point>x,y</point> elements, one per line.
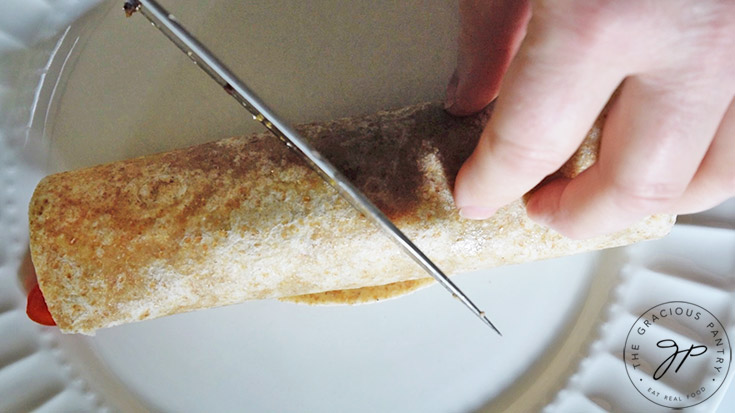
<point>204,59</point>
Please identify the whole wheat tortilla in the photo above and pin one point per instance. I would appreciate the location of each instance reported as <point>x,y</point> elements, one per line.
<point>243,218</point>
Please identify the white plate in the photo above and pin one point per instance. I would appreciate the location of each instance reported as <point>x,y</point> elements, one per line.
<point>114,88</point>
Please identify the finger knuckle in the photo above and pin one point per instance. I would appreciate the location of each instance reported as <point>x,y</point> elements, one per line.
<point>714,24</point>
<point>526,158</point>
<point>586,21</point>
<point>646,196</point>
<point>705,47</point>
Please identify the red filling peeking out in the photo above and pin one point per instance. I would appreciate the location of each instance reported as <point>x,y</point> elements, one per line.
<point>37,309</point>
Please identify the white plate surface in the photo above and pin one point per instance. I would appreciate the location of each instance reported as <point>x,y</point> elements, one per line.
<point>114,88</point>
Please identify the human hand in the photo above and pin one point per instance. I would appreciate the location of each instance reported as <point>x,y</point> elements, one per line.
<point>668,144</point>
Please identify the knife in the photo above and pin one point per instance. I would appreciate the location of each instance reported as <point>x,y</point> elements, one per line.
<point>204,59</point>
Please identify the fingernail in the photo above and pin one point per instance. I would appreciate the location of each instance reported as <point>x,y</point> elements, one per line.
<point>476,212</point>
<point>451,95</point>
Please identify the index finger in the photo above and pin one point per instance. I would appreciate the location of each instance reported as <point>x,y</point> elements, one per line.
<point>553,91</point>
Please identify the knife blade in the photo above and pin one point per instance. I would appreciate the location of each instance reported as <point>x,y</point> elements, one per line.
<point>167,24</point>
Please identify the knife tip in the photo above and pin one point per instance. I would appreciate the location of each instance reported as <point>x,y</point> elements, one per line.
<point>490,323</point>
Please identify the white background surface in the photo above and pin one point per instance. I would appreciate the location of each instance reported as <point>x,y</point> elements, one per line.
<point>125,352</point>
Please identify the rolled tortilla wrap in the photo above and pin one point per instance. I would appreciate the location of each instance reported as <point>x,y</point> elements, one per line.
<point>244,218</point>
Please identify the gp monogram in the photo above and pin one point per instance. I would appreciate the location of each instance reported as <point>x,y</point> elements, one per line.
<point>677,354</point>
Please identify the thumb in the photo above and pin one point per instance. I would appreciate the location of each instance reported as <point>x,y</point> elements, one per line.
<point>490,33</point>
